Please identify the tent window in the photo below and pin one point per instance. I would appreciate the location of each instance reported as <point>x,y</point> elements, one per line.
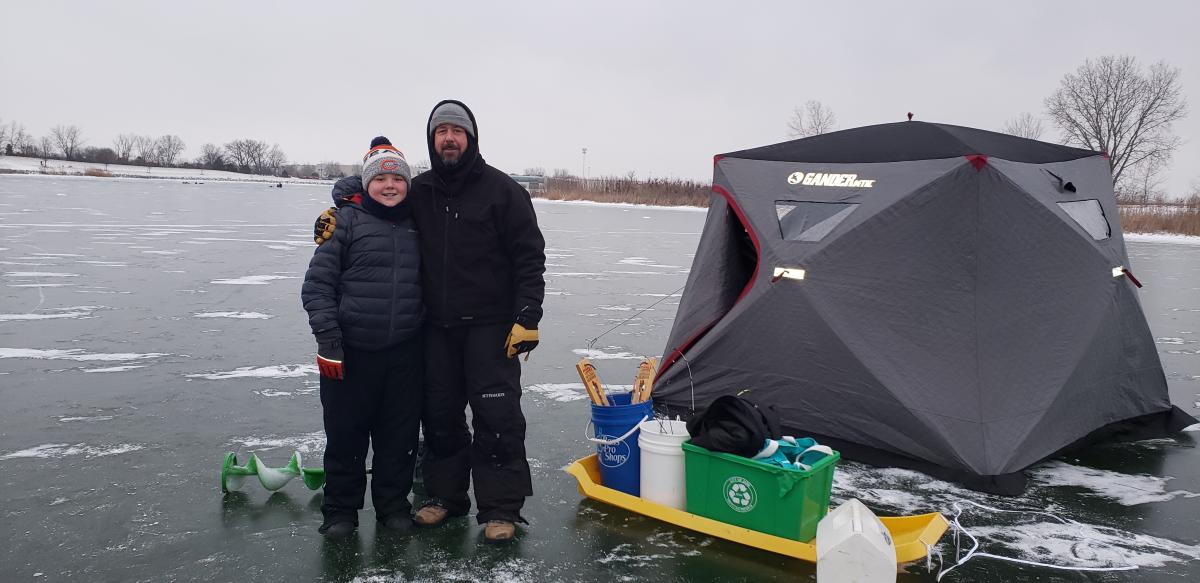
<point>1090,216</point>
<point>810,221</point>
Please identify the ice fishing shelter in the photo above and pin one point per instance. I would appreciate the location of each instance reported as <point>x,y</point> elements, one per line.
<point>921,295</point>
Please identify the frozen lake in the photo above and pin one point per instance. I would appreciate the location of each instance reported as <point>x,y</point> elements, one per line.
<point>147,327</point>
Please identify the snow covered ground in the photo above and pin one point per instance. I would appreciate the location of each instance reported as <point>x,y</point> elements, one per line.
<point>67,168</point>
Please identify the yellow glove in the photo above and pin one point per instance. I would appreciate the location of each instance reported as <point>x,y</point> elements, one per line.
<point>521,341</point>
<point>325,226</point>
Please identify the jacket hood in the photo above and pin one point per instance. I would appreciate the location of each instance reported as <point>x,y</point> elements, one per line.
<point>470,156</point>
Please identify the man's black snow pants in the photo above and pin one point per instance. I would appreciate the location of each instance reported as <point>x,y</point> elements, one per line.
<point>378,402</point>
<point>467,365</point>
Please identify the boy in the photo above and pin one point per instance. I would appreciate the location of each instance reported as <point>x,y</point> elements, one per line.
<point>362,292</point>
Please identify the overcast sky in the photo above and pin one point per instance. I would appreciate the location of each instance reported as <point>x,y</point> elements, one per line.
<point>656,88</point>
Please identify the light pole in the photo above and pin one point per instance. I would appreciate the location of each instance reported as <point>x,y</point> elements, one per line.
<point>583,169</point>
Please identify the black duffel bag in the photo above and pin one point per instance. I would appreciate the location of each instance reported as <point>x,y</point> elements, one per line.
<point>732,424</point>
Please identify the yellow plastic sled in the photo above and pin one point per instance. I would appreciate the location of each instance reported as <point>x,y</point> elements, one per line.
<point>911,534</point>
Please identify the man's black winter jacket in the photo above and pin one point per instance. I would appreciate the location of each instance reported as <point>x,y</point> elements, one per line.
<point>482,252</point>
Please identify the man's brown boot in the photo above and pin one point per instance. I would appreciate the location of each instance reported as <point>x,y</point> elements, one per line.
<point>431,515</point>
<point>498,531</point>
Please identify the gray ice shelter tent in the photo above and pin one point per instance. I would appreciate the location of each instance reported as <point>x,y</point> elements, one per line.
<point>921,295</point>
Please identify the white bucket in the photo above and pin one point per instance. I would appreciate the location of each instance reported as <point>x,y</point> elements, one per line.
<point>662,474</point>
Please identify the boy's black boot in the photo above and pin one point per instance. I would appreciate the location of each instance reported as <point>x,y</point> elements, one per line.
<point>338,527</point>
<point>397,523</point>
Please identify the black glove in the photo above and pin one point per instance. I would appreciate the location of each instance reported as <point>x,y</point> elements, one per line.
<point>330,355</point>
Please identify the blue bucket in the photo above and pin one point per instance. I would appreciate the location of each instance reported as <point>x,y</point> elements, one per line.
<point>617,441</point>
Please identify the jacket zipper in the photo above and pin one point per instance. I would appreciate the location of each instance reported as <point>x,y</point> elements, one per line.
<point>446,265</point>
<point>395,262</point>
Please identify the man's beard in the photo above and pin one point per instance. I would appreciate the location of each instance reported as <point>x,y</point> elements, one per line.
<point>451,158</point>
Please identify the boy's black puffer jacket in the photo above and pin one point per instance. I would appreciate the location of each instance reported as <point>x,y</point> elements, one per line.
<point>366,281</point>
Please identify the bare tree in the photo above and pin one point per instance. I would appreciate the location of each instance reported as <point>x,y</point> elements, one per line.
<point>168,148</point>
<point>1025,125</point>
<point>21,141</point>
<point>143,147</point>
<point>45,147</point>
<point>1112,105</point>
<point>813,119</point>
<point>212,156</point>
<point>274,160</point>
<point>1142,183</point>
<point>123,145</point>
<point>535,171</point>
<point>4,139</point>
<point>68,139</point>
<point>250,155</point>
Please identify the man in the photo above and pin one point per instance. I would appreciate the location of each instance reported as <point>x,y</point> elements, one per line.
<point>483,259</point>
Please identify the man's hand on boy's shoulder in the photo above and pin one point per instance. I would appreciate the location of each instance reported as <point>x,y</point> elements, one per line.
<point>343,190</point>
<point>325,226</point>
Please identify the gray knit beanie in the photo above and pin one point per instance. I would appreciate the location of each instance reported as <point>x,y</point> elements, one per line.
<point>384,158</point>
<point>451,113</point>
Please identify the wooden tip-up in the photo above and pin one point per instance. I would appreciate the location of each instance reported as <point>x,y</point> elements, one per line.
<point>591,382</point>
<point>643,383</point>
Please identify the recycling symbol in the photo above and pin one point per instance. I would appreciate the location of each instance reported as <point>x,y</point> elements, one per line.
<point>740,494</point>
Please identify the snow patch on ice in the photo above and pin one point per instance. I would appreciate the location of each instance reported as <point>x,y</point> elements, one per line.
<point>1077,544</point>
<point>61,450</point>
<point>78,354</point>
<point>39,274</point>
<point>253,279</point>
<point>306,443</point>
<point>273,393</point>
<point>85,418</point>
<point>1025,535</point>
<point>278,371</point>
<point>1125,489</point>
<point>52,314</point>
<point>114,368</point>
<point>645,262</point>
<point>235,315</point>
<point>1162,238</point>
<point>597,354</point>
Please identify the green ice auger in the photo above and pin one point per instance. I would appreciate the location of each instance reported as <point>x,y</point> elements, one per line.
<point>232,475</point>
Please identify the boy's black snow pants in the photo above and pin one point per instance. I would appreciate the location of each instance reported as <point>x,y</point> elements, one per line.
<point>466,365</point>
<point>378,402</point>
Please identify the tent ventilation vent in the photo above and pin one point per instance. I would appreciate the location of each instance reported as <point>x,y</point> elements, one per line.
<point>1089,215</point>
<point>810,221</point>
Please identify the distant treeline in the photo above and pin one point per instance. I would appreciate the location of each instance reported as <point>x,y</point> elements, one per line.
<point>243,155</point>
<point>628,189</point>
<point>1158,216</point>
